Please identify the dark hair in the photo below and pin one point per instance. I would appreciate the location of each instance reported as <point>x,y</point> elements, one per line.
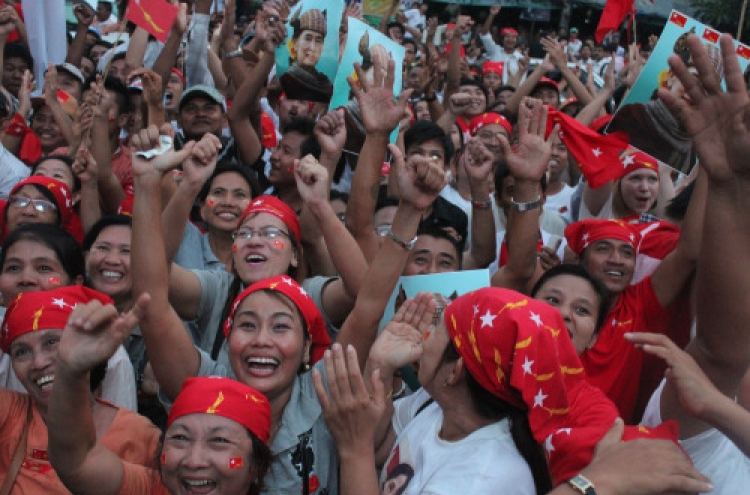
<point>305,127</point>
<point>225,168</point>
<point>491,407</point>
<point>58,240</point>
<point>395,24</point>
<point>103,223</point>
<point>338,195</point>
<point>261,459</point>
<point>677,208</point>
<point>580,272</point>
<point>410,41</point>
<point>122,99</point>
<point>441,233</point>
<point>65,159</point>
<point>18,49</point>
<point>401,469</point>
<point>465,81</point>
<point>426,130</point>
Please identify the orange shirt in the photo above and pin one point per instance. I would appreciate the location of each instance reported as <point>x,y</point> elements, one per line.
<point>139,480</point>
<point>130,436</point>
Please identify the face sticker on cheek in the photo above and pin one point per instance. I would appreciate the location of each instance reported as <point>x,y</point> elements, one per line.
<point>278,244</point>
<point>163,459</point>
<point>235,462</point>
<point>234,248</point>
<point>53,280</point>
<point>210,201</point>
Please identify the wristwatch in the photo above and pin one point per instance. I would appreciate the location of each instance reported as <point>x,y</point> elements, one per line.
<point>528,205</point>
<point>233,54</point>
<point>406,245</point>
<point>582,484</point>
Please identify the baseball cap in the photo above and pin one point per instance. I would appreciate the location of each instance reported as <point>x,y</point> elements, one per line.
<point>72,70</point>
<point>203,91</point>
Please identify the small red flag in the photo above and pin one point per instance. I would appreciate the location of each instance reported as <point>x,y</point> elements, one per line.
<point>613,14</point>
<point>711,35</point>
<point>235,462</point>
<point>743,51</point>
<point>597,156</point>
<point>155,16</point>
<point>677,18</point>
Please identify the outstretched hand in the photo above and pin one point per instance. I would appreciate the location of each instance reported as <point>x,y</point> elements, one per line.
<point>380,112</point>
<point>94,332</point>
<point>717,121</point>
<point>350,411</point>
<point>529,159</point>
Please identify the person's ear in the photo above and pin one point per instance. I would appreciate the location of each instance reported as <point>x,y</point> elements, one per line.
<point>457,373</point>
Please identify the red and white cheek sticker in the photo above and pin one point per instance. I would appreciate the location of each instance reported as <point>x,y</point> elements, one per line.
<point>234,248</point>
<point>235,462</point>
<point>53,280</point>
<point>210,201</point>
<point>163,459</point>
<point>279,244</point>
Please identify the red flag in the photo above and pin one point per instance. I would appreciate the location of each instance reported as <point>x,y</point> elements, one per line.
<point>711,35</point>
<point>155,16</point>
<point>679,19</point>
<point>614,13</point>
<point>743,51</point>
<point>598,156</point>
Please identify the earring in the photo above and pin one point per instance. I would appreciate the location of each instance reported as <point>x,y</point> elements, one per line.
<point>306,366</point>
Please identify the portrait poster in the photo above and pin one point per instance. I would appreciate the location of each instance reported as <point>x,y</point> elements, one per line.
<point>651,127</point>
<point>307,62</point>
<point>362,45</point>
<point>450,285</point>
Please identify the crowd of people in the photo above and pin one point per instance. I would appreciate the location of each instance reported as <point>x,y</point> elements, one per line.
<point>196,255</point>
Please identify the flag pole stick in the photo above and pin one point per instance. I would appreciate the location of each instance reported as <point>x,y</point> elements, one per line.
<point>742,19</point>
<point>635,33</point>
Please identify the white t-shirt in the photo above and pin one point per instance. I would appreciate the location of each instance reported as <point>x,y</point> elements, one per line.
<point>486,461</point>
<point>712,453</point>
<point>560,203</point>
<point>497,53</point>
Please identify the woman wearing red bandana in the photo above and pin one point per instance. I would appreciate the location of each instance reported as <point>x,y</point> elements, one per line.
<point>274,331</point>
<point>217,430</point>
<point>31,334</point>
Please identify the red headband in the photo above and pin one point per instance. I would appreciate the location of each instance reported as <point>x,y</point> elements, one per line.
<point>496,67</point>
<point>59,190</point>
<point>638,160</point>
<point>227,398</point>
<point>508,30</point>
<point>582,234</point>
<point>519,350</point>
<point>546,81</point>
<point>178,73</point>
<point>274,206</point>
<point>283,284</point>
<point>44,310</point>
<point>489,118</point>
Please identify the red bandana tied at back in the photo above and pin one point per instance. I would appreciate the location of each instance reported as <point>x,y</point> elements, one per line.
<point>582,234</point>
<point>519,349</point>
<point>637,161</point>
<point>494,67</point>
<point>274,206</point>
<point>226,398</point>
<point>489,118</point>
<point>284,284</point>
<point>44,310</point>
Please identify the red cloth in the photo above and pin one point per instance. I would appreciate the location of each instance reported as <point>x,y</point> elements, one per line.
<point>274,206</point>
<point>489,118</point>
<point>155,16</point>
<point>638,160</point>
<point>519,350</point>
<point>508,30</point>
<point>31,149</point>
<point>598,156</point>
<point>69,221</point>
<point>269,131</point>
<point>227,398</point>
<point>614,13</point>
<point>502,257</point>
<point>285,285</point>
<point>583,233</point>
<point>13,36</point>
<point>496,67</point>
<point>44,310</point>
<point>614,364</point>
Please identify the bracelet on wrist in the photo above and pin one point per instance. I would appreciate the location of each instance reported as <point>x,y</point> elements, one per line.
<point>405,245</point>
<point>527,205</point>
<point>482,205</point>
<point>430,99</point>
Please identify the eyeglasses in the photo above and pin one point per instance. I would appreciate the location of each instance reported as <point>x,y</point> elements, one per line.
<point>262,233</point>
<point>40,205</point>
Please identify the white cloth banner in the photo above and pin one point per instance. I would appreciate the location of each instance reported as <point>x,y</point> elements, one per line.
<point>45,27</point>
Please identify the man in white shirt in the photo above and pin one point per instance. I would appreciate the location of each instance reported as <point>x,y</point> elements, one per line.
<point>574,44</point>
<point>507,53</point>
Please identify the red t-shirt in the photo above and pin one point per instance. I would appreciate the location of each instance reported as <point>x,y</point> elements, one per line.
<point>613,364</point>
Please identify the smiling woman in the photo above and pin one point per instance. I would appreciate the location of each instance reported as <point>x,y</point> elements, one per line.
<point>31,334</point>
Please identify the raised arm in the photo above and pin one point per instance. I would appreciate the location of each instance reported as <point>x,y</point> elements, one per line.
<point>477,160</point>
<point>380,116</point>
<point>171,352</point>
<point>168,55</point>
<point>525,89</point>
<point>558,57</point>
<point>85,168</point>
<point>92,335</point>
<point>717,121</point>
<point>527,164</point>
<point>84,14</point>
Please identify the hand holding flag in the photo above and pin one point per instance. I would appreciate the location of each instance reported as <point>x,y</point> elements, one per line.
<point>155,16</point>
